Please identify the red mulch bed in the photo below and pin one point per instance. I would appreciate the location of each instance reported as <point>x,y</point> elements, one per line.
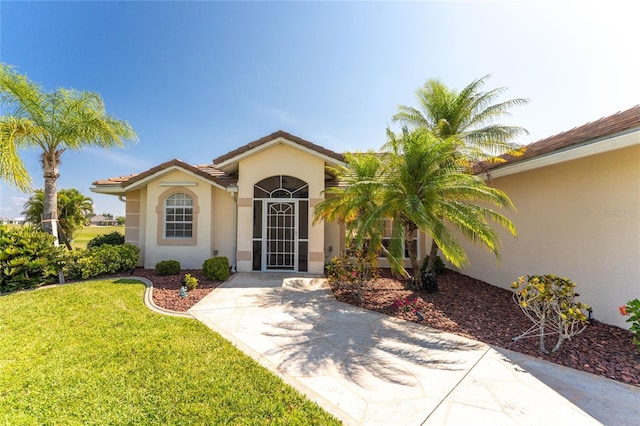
<point>464,306</point>
<point>166,289</point>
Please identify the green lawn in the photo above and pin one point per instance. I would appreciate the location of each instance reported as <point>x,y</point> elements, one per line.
<point>90,232</point>
<point>92,353</point>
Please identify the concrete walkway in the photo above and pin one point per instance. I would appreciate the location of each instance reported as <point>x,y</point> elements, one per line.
<point>370,369</point>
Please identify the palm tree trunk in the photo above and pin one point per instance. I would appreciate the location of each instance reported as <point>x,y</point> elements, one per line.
<point>50,161</point>
<point>410,235</point>
<point>432,256</point>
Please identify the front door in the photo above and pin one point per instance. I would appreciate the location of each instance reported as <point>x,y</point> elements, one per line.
<point>279,252</point>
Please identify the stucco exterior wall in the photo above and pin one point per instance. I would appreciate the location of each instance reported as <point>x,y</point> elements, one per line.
<point>279,159</point>
<point>222,225</point>
<point>135,220</point>
<point>333,239</point>
<point>580,220</point>
<point>190,255</point>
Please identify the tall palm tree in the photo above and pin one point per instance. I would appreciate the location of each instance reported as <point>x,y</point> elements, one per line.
<point>470,116</point>
<point>65,119</point>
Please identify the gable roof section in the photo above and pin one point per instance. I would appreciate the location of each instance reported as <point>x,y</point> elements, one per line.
<point>207,172</point>
<point>587,135</point>
<point>229,160</point>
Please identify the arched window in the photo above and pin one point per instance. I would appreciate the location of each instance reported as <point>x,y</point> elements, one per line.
<point>281,187</point>
<point>178,216</point>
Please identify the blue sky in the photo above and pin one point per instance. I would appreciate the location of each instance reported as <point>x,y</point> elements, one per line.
<point>198,79</point>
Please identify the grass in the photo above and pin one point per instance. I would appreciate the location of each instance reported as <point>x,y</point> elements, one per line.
<point>90,232</point>
<point>92,353</point>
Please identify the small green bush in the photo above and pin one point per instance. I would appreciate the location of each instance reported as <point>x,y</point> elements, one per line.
<point>114,238</point>
<point>549,302</point>
<point>168,267</point>
<point>438,266</point>
<point>191,281</point>
<point>633,310</point>
<point>351,272</point>
<point>28,258</point>
<point>216,268</point>
<point>96,261</point>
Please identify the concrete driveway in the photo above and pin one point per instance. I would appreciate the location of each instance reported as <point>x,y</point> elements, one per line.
<point>370,369</point>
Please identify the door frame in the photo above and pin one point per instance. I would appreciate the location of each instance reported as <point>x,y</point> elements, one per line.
<point>265,238</point>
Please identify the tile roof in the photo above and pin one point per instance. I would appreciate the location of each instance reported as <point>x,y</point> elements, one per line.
<point>207,171</point>
<point>275,135</point>
<point>591,132</point>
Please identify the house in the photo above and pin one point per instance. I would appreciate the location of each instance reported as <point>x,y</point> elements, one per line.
<point>577,196</point>
<point>12,221</point>
<point>253,205</point>
<point>100,220</point>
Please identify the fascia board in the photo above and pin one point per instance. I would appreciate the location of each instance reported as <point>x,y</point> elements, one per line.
<point>115,189</point>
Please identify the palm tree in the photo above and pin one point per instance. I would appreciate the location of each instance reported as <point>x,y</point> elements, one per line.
<point>470,117</point>
<point>74,209</point>
<point>358,191</point>
<point>429,189</point>
<point>420,183</point>
<point>64,119</point>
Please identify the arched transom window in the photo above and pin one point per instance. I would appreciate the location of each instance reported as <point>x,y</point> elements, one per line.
<point>178,216</point>
<point>281,187</point>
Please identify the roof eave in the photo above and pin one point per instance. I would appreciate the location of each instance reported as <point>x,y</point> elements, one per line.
<point>144,181</point>
<point>115,189</point>
<point>586,149</point>
<point>230,165</point>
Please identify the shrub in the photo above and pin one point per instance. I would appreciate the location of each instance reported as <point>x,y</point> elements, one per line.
<point>114,238</point>
<point>28,258</point>
<point>438,266</point>
<point>351,272</point>
<point>216,268</point>
<point>168,267</point>
<point>549,302</point>
<point>105,259</point>
<point>633,310</point>
<point>191,282</point>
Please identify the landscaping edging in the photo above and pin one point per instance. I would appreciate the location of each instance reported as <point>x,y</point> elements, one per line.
<point>148,300</point>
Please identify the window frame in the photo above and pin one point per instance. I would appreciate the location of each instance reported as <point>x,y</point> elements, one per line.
<point>161,207</point>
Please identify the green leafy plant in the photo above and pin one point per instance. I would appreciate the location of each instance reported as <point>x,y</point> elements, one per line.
<point>28,258</point>
<point>351,272</point>
<point>74,210</point>
<point>191,282</point>
<point>114,238</point>
<point>632,309</point>
<point>549,301</point>
<point>96,261</point>
<point>168,267</point>
<point>216,268</point>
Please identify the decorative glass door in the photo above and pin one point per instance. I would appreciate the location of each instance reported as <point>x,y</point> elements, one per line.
<point>280,229</point>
